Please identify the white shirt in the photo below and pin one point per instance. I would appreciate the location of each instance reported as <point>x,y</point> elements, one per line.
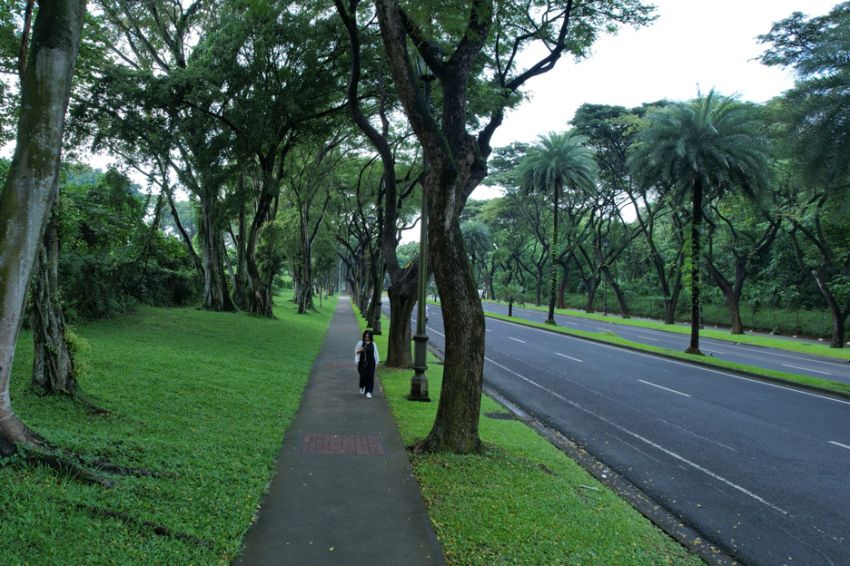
<point>357,354</point>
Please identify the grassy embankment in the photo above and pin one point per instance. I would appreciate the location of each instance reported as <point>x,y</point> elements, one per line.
<point>837,387</point>
<point>202,399</point>
<point>779,342</point>
<point>522,501</point>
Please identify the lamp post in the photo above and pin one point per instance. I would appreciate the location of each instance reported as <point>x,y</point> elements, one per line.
<point>419,381</point>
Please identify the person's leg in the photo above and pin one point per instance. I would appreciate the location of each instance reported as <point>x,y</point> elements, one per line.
<point>370,382</point>
<point>362,380</point>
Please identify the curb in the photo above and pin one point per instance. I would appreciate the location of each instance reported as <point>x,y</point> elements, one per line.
<point>759,377</point>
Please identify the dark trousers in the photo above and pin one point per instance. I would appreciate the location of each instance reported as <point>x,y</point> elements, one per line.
<point>367,378</point>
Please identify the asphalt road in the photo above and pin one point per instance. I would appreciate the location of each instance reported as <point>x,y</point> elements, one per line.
<point>767,358</point>
<point>761,470</point>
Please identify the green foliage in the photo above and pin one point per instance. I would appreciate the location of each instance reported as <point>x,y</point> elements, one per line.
<point>200,398</point>
<point>407,252</point>
<point>110,257</point>
<point>817,109</point>
<point>271,254</point>
<point>714,140</point>
<point>560,161</point>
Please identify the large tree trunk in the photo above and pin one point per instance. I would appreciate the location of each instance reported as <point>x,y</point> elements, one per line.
<point>456,425</point>
<point>216,294</point>
<point>732,298</point>
<point>592,287</point>
<point>403,296</point>
<point>696,221</point>
<point>259,294</point>
<point>53,364</point>
<point>839,315</point>
<point>373,315</point>
<point>562,289</point>
<point>618,292</point>
<point>31,184</point>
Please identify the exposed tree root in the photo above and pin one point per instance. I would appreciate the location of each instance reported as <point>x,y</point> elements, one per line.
<point>76,466</point>
<point>90,405</point>
<point>111,468</point>
<point>65,465</point>
<point>158,529</point>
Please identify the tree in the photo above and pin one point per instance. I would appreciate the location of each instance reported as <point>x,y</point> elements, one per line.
<point>558,162</point>
<point>404,279</point>
<point>150,95</point>
<point>818,107</point>
<point>744,234</point>
<point>31,185</point>
<point>471,52</point>
<point>701,149</point>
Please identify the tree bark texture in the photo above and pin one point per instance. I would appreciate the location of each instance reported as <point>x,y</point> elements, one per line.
<point>456,425</point>
<point>53,363</point>
<point>259,296</point>
<point>216,293</point>
<point>455,168</point>
<point>696,222</point>
<point>30,188</point>
<point>618,292</point>
<point>732,294</point>
<point>553,275</point>
<point>403,296</point>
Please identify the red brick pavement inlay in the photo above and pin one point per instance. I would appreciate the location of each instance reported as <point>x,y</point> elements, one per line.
<point>342,444</point>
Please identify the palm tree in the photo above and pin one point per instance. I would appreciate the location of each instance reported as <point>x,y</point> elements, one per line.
<point>559,161</point>
<point>700,149</point>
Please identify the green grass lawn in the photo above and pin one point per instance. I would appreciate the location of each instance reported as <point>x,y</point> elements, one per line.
<point>200,398</point>
<point>522,501</point>
<point>815,349</point>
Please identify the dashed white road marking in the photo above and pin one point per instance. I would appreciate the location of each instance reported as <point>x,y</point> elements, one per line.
<point>664,388</point>
<point>645,337</point>
<point>802,359</point>
<point>568,357</point>
<point>693,366</point>
<point>806,369</point>
<point>517,340</point>
<point>670,453</point>
<point>839,444</point>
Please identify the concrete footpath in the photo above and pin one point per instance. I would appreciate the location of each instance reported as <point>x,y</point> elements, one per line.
<point>344,491</point>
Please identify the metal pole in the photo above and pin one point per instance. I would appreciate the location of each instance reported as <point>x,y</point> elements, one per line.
<point>419,381</point>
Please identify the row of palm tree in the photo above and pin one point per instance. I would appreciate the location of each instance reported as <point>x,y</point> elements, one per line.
<point>690,150</point>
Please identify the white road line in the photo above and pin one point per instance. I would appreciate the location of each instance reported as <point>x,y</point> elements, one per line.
<point>664,388</point>
<point>645,440</point>
<point>802,359</point>
<point>645,337</point>
<point>712,351</point>
<point>692,433</point>
<point>517,340</point>
<point>694,366</point>
<point>839,444</point>
<point>568,357</point>
<point>806,369</point>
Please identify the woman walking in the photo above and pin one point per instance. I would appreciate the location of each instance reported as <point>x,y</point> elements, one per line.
<point>366,358</point>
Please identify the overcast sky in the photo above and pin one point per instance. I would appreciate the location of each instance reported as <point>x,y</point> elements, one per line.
<point>693,45</point>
